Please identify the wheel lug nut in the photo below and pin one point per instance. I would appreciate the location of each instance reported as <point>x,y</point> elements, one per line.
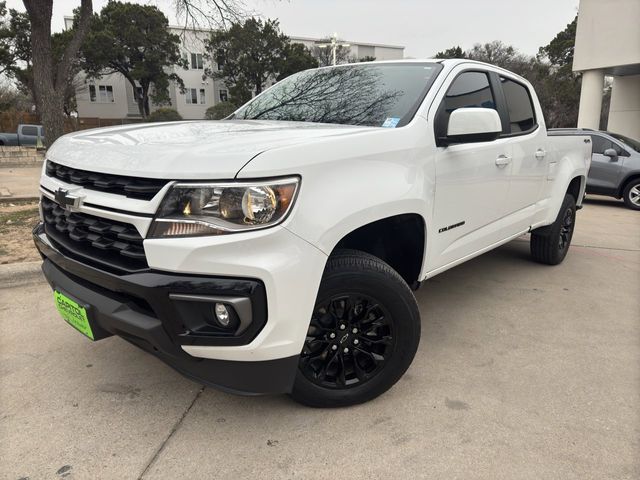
<point>346,350</point>
<point>332,335</point>
<point>356,342</point>
<point>334,347</point>
<point>343,326</point>
<point>355,330</point>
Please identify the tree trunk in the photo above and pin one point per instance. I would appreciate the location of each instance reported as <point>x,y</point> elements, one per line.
<point>145,96</point>
<point>52,116</point>
<point>50,81</point>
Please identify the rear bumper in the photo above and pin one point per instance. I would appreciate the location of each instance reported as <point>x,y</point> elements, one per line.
<point>138,308</point>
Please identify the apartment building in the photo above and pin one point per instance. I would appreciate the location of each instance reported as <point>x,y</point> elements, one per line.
<point>112,97</point>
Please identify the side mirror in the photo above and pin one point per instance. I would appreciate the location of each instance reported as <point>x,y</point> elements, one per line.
<point>611,153</point>
<point>473,125</point>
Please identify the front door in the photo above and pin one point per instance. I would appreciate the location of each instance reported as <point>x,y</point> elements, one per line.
<point>472,179</point>
<point>605,171</point>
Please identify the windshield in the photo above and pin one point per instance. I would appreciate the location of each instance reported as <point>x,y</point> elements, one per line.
<point>629,142</point>
<point>378,95</point>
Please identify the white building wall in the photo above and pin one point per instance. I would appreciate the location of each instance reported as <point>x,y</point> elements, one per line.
<point>624,113</point>
<point>388,53</point>
<point>607,34</point>
<point>608,44</point>
<point>99,109</point>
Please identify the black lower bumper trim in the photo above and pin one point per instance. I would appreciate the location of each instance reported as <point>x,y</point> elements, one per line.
<point>127,308</point>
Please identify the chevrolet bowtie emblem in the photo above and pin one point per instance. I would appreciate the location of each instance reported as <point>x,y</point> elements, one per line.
<point>66,199</point>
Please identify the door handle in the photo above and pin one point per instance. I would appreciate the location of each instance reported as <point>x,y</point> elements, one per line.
<point>540,154</point>
<point>503,161</point>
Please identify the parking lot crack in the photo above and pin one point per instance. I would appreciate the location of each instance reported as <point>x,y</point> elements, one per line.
<point>608,248</point>
<point>175,428</point>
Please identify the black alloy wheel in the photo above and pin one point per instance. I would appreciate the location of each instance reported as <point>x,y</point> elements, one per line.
<point>566,228</point>
<point>349,341</point>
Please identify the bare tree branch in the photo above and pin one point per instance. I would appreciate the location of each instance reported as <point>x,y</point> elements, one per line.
<point>212,14</point>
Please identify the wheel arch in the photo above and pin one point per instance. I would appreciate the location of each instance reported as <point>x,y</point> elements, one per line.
<point>399,240</point>
<point>576,188</point>
<point>630,178</point>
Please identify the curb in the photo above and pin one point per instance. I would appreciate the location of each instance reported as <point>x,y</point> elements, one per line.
<point>19,199</point>
<point>20,274</point>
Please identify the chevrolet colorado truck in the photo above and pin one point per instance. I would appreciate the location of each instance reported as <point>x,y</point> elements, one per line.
<point>276,251</point>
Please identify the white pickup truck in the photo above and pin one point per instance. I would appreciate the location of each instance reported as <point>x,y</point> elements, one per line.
<point>275,251</point>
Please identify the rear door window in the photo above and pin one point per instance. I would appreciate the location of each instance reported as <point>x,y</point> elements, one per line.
<point>30,131</point>
<point>522,116</point>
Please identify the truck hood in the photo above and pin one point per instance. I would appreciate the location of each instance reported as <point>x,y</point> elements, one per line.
<point>184,150</point>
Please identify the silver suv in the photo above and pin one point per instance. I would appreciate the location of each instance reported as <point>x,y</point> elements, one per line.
<point>615,165</point>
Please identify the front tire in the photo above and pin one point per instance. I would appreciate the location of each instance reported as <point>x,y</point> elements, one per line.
<point>550,244</point>
<point>363,334</point>
<point>631,194</point>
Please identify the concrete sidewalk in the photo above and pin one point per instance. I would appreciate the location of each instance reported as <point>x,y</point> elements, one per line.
<point>524,371</point>
<point>19,183</point>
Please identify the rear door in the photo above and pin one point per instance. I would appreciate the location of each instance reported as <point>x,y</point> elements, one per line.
<point>529,158</point>
<point>472,181</point>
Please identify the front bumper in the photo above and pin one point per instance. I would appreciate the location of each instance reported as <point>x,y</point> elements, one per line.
<point>138,307</point>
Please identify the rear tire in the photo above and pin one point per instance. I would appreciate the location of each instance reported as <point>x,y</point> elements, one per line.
<point>550,244</point>
<point>631,194</point>
<point>363,335</point>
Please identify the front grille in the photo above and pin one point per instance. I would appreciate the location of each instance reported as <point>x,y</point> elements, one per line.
<point>94,240</point>
<point>132,187</point>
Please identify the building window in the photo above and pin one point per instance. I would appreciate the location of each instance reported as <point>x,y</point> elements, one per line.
<point>101,94</point>
<point>202,98</point>
<point>224,95</point>
<point>220,58</point>
<point>196,61</point>
<point>192,96</point>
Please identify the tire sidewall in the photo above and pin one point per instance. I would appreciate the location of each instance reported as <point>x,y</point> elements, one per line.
<point>399,302</point>
<point>568,202</point>
<point>627,194</point>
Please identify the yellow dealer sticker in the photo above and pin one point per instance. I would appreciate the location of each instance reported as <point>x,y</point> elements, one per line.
<point>74,314</point>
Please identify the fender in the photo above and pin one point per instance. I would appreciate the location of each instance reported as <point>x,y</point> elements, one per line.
<point>560,175</point>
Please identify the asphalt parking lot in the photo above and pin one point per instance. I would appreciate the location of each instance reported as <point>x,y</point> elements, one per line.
<point>524,371</point>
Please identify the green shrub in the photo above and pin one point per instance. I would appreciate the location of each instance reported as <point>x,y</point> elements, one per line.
<point>164,115</point>
<point>220,111</point>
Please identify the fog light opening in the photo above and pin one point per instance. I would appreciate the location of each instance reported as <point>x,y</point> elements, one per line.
<point>222,314</point>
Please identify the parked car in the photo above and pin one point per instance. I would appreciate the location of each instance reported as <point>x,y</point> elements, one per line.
<point>26,136</point>
<point>615,165</point>
<point>275,251</point>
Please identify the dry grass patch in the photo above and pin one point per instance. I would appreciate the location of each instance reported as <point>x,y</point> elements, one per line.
<point>16,223</point>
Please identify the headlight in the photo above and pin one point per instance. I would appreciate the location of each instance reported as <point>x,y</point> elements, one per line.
<point>195,209</point>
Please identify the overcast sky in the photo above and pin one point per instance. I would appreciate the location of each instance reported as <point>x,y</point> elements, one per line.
<point>424,27</point>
